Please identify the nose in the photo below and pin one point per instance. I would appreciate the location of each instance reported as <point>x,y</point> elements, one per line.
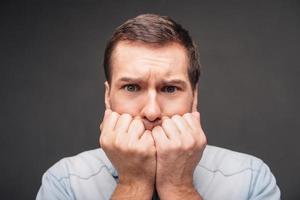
<point>151,111</point>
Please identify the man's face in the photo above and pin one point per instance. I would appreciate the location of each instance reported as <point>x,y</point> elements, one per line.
<point>150,82</point>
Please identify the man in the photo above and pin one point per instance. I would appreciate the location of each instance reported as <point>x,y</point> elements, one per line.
<point>152,142</point>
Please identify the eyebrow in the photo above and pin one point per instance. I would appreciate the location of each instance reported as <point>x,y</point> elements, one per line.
<point>175,82</point>
<point>164,82</point>
<point>129,79</point>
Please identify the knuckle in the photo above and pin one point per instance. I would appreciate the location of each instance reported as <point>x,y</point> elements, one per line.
<point>163,149</point>
<point>130,147</point>
<point>200,145</point>
<point>204,141</point>
<point>188,146</point>
<point>176,145</point>
<point>123,148</point>
<point>104,141</point>
<point>191,144</point>
<point>143,151</point>
<point>202,138</point>
<point>117,143</point>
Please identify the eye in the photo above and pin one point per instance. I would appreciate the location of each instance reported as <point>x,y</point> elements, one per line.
<point>131,88</point>
<point>169,89</point>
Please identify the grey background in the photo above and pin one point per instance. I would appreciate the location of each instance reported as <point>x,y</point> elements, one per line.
<point>52,81</point>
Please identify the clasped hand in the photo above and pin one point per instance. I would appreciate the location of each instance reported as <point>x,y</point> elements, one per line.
<point>165,157</point>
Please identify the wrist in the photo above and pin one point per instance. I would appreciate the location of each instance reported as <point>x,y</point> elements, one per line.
<point>137,181</point>
<point>173,185</point>
<point>174,192</point>
<point>135,189</point>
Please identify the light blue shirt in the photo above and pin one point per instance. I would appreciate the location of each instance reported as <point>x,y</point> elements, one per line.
<point>221,174</point>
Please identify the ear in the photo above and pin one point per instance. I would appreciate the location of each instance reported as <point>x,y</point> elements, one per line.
<point>107,92</point>
<point>195,99</point>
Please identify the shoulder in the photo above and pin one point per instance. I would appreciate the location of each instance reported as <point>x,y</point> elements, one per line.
<point>76,177</point>
<point>234,175</point>
<point>83,165</point>
<point>228,162</point>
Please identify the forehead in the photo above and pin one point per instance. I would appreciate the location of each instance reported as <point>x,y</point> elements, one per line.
<point>140,59</point>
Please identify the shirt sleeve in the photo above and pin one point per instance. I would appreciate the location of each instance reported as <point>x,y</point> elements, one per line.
<point>264,185</point>
<point>55,185</point>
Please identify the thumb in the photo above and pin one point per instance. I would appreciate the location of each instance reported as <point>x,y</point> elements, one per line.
<point>106,114</point>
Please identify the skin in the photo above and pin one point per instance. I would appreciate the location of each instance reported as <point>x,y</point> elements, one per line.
<point>151,129</point>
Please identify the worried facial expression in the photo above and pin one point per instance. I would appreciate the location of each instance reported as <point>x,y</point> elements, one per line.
<point>150,82</point>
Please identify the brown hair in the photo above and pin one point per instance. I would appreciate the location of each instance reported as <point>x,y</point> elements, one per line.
<point>154,30</point>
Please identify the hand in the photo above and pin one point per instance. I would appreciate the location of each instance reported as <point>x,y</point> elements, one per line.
<point>180,142</point>
<point>131,150</point>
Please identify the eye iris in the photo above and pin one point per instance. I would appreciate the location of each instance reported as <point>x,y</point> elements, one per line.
<point>130,87</point>
<point>170,89</point>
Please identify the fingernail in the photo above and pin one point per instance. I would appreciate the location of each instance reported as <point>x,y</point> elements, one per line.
<point>164,117</point>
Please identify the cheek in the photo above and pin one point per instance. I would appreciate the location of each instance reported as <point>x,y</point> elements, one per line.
<point>175,106</point>
<point>121,104</point>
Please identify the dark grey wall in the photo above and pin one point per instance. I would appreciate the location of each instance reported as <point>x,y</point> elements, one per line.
<point>52,81</point>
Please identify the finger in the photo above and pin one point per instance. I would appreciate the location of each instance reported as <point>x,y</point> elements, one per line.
<point>181,124</point>
<point>197,117</point>
<point>147,139</point>
<point>110,122</point>
<point>123,123</point>
<point>191,120</point>
<point>136,129</point>
<point>170,128</point>
<point>105,136</point>
<point>101,126</point>
<point>160,138</point>
<point>106,113</point>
